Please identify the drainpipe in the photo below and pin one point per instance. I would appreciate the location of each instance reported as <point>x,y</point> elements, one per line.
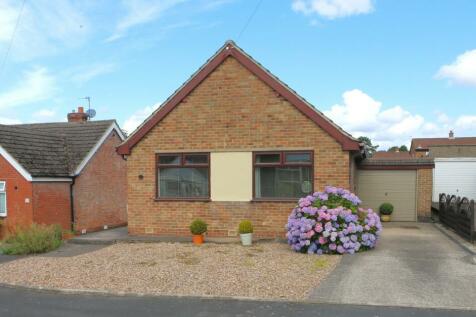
<point>71,198</point>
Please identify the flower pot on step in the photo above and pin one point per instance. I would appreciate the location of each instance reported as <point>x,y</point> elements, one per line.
<point>385,218</point>
<point>197,239</point>
<point>246,238</point>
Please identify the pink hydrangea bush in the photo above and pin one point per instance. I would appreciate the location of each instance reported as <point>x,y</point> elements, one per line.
<point>332,222</point>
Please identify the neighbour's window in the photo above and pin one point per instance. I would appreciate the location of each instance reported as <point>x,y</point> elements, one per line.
<point>183,176</point>
<point>3,198</point>
<point>282,175</point>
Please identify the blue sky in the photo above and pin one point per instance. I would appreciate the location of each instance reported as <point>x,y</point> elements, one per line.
<point>391,70</point>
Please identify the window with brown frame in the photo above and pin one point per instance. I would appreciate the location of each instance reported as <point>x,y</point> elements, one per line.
<point>183,176</point>
<point>282,174</point>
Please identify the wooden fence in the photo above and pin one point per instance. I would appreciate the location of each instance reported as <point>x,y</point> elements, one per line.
<point>458,214</point>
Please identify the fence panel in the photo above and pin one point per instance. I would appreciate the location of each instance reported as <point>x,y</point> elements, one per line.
<point>458,213</point>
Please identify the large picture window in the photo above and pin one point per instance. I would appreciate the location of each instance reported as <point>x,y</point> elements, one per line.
<point>3,199</point>
<point>282,175</point>
<point>183,176</point>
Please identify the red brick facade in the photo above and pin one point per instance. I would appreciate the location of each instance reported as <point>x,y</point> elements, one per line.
<point>231,109</point>
<point>424,193</point>
<point>100,194</point>
<point>52,203</point>
<point>19,196</point>
<point>100,191</point>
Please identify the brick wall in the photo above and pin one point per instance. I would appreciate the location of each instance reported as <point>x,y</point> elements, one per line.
<point>100,191</point>
<point>19,212</point>
<point>52,203</point>
<point>230,110</point>
<point>424,193</point>
<point>453,151</point>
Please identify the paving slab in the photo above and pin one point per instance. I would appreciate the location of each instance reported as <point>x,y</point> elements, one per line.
<point>413,265</point>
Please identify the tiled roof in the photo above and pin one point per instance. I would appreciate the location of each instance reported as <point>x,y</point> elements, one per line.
<point>52,149</point>
<point>425,143</point>
<point>384,155</point>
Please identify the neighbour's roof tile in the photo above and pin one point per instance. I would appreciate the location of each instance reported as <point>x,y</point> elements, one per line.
<point>52,149</point>
<point>425,143</point>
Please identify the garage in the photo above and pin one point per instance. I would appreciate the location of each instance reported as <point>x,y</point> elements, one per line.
<point>398,187</point>
<point>402,180</point>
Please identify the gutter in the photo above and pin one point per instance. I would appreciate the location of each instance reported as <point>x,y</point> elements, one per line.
<point>71,198</point>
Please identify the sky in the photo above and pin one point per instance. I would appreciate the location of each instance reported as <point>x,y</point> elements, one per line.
<point>390,70</point>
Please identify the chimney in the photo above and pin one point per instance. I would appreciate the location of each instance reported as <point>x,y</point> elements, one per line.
<point>79,116</point>
<point>451,135</point>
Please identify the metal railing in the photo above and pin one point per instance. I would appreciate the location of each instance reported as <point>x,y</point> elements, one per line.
<point>458,214</point>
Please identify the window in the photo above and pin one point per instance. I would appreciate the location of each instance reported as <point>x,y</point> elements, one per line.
<point>3,198</point>
<point>183,176</point>
<point>282,175</point>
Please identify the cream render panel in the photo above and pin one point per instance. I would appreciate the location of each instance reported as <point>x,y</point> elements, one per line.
<point>231,176</point>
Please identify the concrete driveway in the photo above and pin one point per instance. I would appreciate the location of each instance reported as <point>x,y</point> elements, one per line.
<point>413,265</point>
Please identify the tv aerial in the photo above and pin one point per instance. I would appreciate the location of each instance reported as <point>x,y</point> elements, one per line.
<point>91,112</point>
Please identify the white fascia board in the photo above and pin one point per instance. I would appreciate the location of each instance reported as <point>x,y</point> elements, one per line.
<point>53,179</point>
<point>456,159</point>
<point>17,166</point>
<point>113,127</point>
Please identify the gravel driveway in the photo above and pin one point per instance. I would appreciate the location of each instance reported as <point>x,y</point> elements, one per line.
<point>414,265</point>
<point>266,270</point>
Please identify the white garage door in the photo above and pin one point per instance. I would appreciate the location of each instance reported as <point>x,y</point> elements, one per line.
<point>395,187</point>
<point>454,176</point>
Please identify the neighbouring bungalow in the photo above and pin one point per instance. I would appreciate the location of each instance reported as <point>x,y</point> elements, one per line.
<point>66,173</point>
<point>233,143</point>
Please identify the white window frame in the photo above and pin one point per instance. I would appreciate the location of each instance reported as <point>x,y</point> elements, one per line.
<point>3,190</point>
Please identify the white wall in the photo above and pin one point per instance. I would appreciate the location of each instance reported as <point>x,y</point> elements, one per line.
<point>454,176</point>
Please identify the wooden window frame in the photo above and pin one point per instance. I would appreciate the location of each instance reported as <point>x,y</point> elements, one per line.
<point>281,163</point>
<point>182,164</point>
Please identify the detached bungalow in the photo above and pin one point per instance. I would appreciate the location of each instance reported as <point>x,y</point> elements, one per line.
<point>62,173</point>
<point>233,143</point>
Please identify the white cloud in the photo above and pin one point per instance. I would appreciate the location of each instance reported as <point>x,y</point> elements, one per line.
<point>332,9</point>
<point>138,117</point>
<point>45,27</point>
<point>85,74</point>
<point>44,114</point>
<point>35,85</point>
<point>466,122</point>
<point>8,18</point>
<point>461,71</point>
<point>141,12</point>
<point>4,120</point>
<point>360,114</point>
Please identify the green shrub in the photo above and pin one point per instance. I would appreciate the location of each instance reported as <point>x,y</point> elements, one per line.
<point>245,227</point>
<point>386,209</point>
<point>33,239</point>
<point>198,226</point>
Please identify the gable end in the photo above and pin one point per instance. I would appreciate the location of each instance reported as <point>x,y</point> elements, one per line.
<point>230,49</point>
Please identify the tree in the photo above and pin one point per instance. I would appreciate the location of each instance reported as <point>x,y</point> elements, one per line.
<point>371,149</point>
<point>402,148</point>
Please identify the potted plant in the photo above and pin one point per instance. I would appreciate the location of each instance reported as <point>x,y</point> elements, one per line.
<point>198,227</point>
<point>386,210</point>
<point>246,232</point>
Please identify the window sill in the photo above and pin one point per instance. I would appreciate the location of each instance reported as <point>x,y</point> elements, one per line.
<point>198,199</point>
<point>274,200</point>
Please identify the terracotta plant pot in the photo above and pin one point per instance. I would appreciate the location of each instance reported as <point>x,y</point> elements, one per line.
<point>385,218</point>
<point>197,239</point>
<point>67,235</point>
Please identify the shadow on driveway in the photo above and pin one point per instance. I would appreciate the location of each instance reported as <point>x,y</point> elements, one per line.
<point>414,265</point>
